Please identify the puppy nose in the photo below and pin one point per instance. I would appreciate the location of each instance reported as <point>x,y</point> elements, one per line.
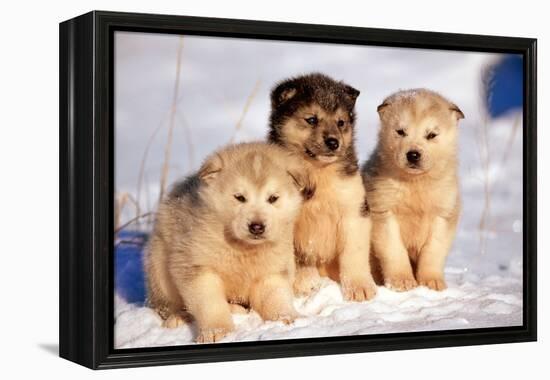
<point>413,156</point>
<point>332,143</point>
<point>256,228</point>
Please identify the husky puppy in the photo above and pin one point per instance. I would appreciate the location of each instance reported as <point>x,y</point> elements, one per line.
<point>224,236</point>
<point>313,116</point>
<point>412,188</point>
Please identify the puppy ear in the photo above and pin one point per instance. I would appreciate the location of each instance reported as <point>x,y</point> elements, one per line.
<point>303,182</point>
<point>380,109</point>
<point>283,93</point>
<point>353,93</point>
<point>459,114</point>
<point>211,168</point>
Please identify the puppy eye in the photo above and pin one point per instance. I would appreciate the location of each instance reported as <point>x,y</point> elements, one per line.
<point>401,132</point>
<point>272,199</point>
<point>240,198</point>
<point>340,123</point>
<point>312,120</point>
<point>431,135</point>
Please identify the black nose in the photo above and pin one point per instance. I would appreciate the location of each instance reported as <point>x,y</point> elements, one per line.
<point>332,143</point>
<point>413,156</point>
<point>256,228</point>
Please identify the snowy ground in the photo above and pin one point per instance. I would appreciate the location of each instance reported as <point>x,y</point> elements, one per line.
<point>484,270</point>
<point>469,302</point>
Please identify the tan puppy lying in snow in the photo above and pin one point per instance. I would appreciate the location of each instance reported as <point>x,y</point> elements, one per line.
<point>412,188</point>
<point>224,236</point>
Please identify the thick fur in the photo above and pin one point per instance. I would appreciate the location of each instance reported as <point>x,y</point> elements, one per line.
<point>332,232</point>
<point>203,258</point>
<point>414,206</point>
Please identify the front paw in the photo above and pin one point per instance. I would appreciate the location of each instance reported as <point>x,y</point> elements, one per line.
<point>358,290</point>
<point>306,282</point>
<point>287,315</point>
<point>400,283</point>
<point>434,283</point>
<point>238,309</point>
<point>287,318</point>
<point>214,331</point>
<point>214,334</point>
<point>174,321</point>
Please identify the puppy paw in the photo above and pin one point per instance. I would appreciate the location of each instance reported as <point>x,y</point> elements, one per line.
<point>174,321</point>
<point>287,318</point>
<point>433,283</point>
<point>215,333</point>
<point>306,283</point>
<point>401,283</point>
<point>238,309</point>
<point>212,335</point>
<point>287,315</point>
<point>359,290</point>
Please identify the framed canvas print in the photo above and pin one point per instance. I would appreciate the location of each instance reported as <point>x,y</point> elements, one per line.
<point>236,189</point>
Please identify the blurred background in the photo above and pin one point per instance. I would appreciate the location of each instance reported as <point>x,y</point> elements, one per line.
<point>177,99</point>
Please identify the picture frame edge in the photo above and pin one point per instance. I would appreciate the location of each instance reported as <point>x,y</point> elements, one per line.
<point>86,187</point>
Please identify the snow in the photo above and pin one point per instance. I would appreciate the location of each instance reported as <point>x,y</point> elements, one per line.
<point>469,302</point>
<point>484,269</point>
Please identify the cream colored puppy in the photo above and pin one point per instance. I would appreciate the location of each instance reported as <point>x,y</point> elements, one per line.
<point>412,188</point>
<point>224,236</point>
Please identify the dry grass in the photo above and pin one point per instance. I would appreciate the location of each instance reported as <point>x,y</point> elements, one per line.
<point>166,164</point>
<point>485,159</point>
<point>121,200</point>
<point>189,140</point>
<point>149,220</point>
<point>174,119</point>
<point>513,133</point>
<point>133,220</point>
<point>246,107</point>
<point>484,152</point>
<point>168,146</point>
<point>142,165</point>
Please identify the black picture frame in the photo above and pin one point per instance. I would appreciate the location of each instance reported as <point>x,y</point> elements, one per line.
<point>86,189</point>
